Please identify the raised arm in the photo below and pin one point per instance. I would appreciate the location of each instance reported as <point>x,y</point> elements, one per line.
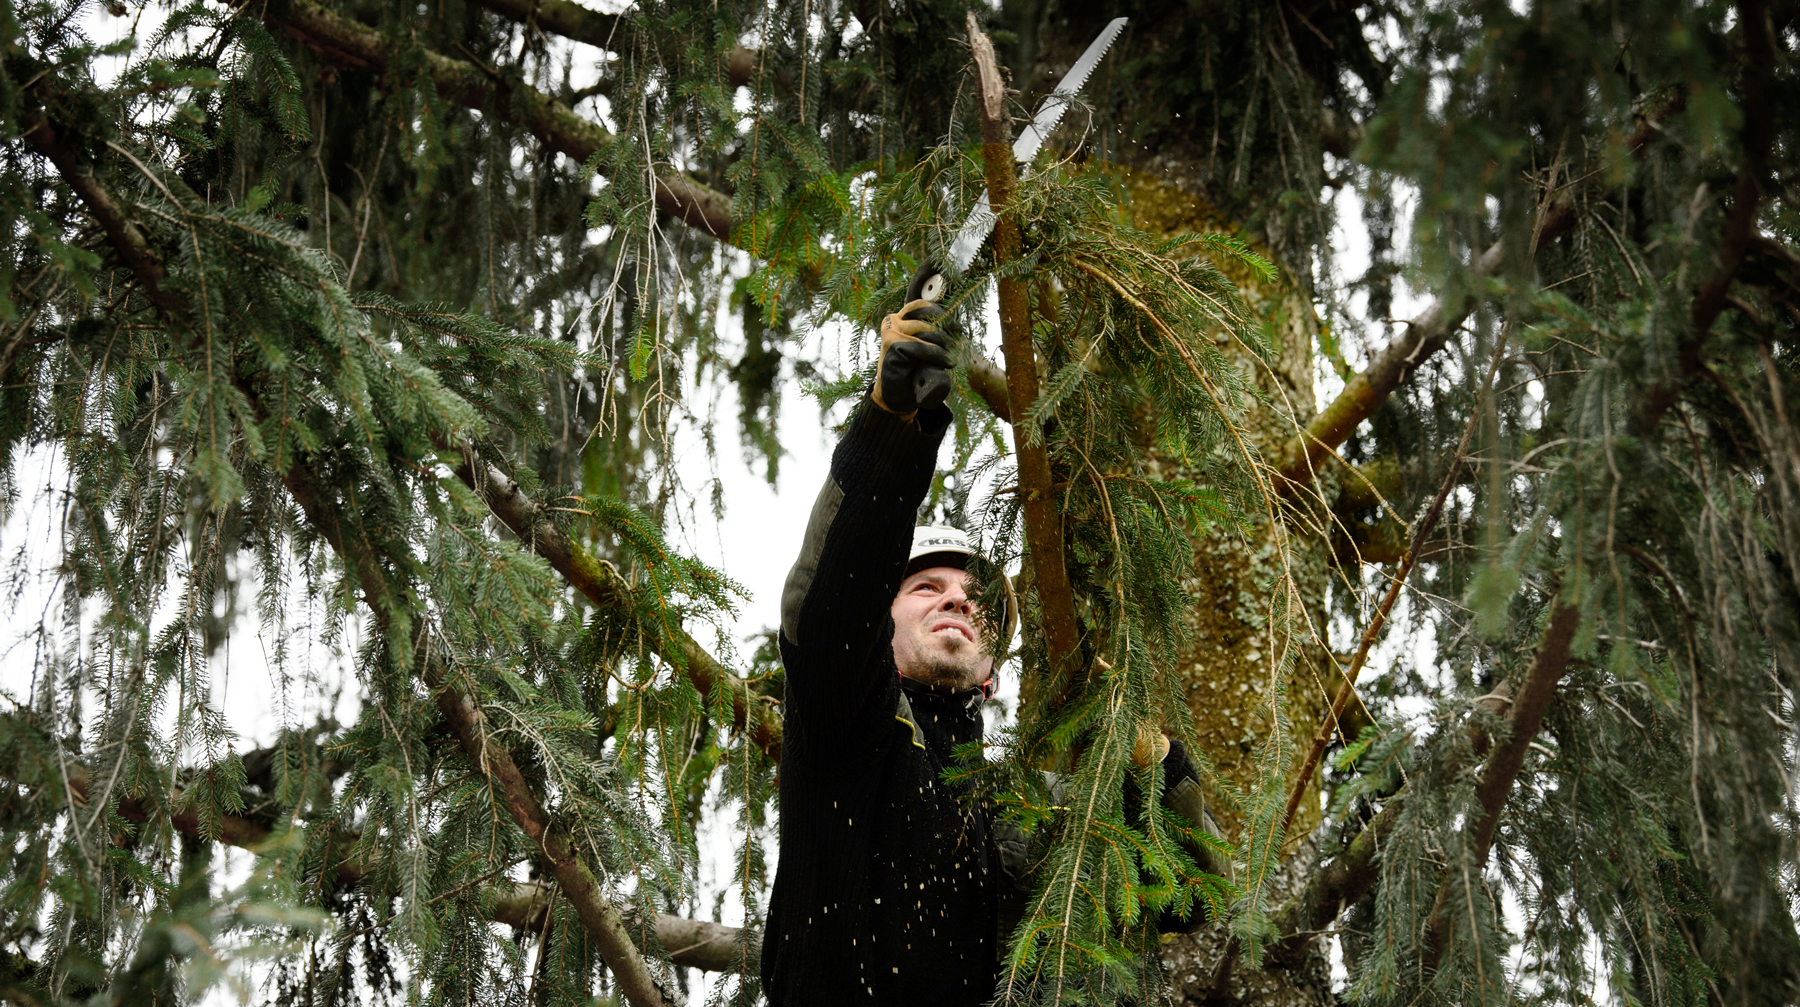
<point>834,607</point>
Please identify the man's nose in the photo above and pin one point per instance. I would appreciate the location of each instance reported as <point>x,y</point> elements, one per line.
<point>957,600</point>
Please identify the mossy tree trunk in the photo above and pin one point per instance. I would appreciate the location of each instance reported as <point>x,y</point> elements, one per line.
<point>1213,119</point>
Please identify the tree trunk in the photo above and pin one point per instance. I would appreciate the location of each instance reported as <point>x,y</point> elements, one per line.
<point>1176,153</point>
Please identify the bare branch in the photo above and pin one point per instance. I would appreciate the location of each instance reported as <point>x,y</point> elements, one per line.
<point>1341,883</point>
<point>1524,718</point>
<point>694,944</point>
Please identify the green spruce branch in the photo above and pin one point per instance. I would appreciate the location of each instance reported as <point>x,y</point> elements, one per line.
<point>338,38</point>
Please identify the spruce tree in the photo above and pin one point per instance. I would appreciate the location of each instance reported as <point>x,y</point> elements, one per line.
<point>365,318</point>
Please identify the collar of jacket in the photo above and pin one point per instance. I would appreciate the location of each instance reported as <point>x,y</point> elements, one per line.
<point>969,699</point>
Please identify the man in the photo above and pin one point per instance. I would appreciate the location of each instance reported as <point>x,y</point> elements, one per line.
<point>888,884</point>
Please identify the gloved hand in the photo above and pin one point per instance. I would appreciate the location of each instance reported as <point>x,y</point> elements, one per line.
<point>914,370</point>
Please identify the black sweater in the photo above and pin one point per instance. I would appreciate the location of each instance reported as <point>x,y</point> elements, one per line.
<point>885,888</point>
<point>889,885</point>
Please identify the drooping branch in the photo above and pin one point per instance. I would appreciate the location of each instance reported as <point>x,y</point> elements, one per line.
<point>124,235</point>
<point>695,944</point>
<point>345,42</point>
<point>129,242</point>
<point>1740,232</point>
<point>1507,758</point>
<point>578,883</point>
<point>1350,876</point>
<point>1043,527</point>
<point>601,586</point>
<point>583,24</point>
<point>575,878</point>
<point>1427,333</point>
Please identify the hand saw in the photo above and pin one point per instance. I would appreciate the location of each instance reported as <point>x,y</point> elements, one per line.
<point>981,219</point>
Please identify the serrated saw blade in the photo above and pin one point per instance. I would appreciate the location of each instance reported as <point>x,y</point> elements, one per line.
<point>1051,111</point>
<point>981,219</point>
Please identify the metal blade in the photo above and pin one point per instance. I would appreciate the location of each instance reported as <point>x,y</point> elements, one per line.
<point>981,219</point>
<point>974,231</point>
<point>1051,111</point>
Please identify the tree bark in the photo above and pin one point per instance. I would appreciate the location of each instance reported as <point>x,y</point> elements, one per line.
<point>1043,526</point>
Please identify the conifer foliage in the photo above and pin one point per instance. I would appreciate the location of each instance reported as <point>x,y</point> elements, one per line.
<point>376,320</point>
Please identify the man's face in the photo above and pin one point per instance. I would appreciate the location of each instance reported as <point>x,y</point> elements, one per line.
<point>937,638</point>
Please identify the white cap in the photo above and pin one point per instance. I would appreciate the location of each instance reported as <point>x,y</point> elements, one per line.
<point>942,545</point>
<point>936,538</point>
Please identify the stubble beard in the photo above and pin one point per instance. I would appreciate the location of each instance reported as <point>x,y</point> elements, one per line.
<point>943,671</point>
<point>944,665</point>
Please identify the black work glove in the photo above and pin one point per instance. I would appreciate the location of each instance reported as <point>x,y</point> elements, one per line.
<point>914,371</point>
